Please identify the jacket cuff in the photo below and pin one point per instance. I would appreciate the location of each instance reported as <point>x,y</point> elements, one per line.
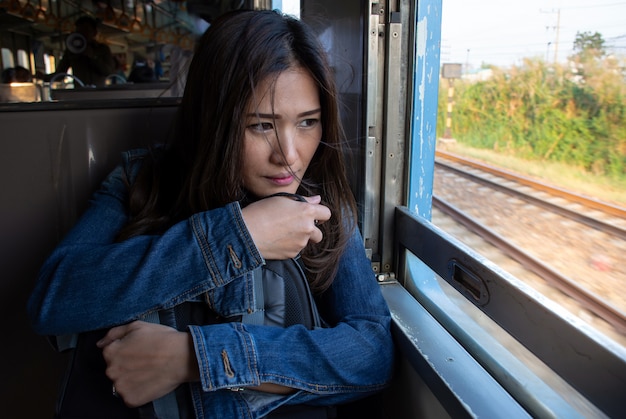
<point>226,356</point>
<point>225,242</point>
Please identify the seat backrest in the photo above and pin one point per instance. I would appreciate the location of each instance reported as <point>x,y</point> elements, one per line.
<point>51,159</point>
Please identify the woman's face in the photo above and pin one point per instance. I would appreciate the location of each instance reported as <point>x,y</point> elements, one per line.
<point>283,129</point>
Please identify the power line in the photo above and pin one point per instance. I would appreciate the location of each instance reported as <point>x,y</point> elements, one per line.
<point>595,6</point>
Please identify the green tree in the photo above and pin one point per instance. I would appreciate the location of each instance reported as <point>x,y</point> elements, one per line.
<point>547,112</point>
<point>589,45</point>
<point>590,56</point>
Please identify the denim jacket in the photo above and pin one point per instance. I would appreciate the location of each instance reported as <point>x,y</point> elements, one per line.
<point>91,282</point>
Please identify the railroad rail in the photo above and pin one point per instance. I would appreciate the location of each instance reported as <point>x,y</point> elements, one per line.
<point>596,223</point>
<point>524,180</point>
<point>590,301</point>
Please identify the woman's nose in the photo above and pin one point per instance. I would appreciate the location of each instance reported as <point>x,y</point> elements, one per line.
<point>286,151</point>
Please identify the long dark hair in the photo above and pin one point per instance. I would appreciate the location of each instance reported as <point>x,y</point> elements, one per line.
<point>201,168</point>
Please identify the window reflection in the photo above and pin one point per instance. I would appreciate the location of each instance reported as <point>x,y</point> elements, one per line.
<point>290,7</point>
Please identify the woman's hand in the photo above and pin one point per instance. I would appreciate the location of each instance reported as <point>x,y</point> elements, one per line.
<point>146,361</point>
<point>281,227</point>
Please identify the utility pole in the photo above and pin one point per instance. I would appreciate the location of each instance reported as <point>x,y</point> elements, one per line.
<point>557,29</point>
<point>450,71</point>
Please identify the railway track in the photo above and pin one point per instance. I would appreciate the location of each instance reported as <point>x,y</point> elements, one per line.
<point>503,210</point>
<point>604,207</point>
<point>607,224</point>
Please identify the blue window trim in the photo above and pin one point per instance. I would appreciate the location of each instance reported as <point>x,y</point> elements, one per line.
<point>424,112</point>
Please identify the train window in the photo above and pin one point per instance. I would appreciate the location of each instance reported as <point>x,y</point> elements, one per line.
<point>290,7</point>
<point>7,58</point>
<point>160,35</point>
<point>49,63</point>
<point>543,234</point>
<point>510,325</point>
<point>527,342</point>
<point>23,59</point>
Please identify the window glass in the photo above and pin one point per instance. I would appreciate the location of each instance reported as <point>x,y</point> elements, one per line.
<point>22,59</point>
<point>290,7</point>
<point>49,63</point>
<point>7,58</point>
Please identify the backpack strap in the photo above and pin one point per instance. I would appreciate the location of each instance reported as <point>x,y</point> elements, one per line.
<point>316,320</point>
<point>64,342</point>
<point>258,315</point>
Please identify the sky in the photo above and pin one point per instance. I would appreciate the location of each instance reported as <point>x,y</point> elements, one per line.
<point>503,32</point>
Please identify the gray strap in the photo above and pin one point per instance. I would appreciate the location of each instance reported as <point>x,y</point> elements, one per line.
<point>65,342</point>
<point>257,316</point>
<point>315,315</point>
<point>166,406</point>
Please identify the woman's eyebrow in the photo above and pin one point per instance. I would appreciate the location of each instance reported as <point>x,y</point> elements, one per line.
<point>311,112</point>
<point>275,116</point>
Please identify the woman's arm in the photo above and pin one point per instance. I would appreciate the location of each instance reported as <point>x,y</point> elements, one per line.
<point>90,281</point>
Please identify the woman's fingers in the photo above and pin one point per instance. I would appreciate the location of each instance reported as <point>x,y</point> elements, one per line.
<point>112,335</point>
<point>322,212</point>
<point>148,361</point>
<point>281,227</point>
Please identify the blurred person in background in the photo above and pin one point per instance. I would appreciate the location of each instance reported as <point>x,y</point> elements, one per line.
<point>91,61</point>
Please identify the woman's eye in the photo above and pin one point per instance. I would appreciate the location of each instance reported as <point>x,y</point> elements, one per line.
<point>261,126</point>
<point>308,123</point>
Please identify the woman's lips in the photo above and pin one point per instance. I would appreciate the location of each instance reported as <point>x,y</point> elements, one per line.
<point>281,180</point>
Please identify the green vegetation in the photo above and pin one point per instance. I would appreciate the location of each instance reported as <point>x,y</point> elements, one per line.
<point>573,114</point>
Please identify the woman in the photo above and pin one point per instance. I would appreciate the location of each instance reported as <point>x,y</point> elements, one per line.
<point>259,116</point>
